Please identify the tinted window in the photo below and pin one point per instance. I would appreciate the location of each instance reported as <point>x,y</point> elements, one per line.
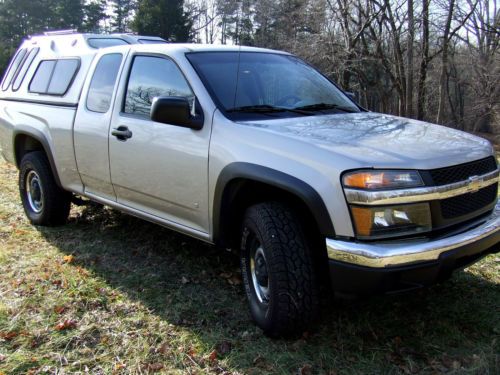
<point>41,79</point>
<point>103,82</point>
<point>105,42</point>
<point>22,72</point>
<point>54,76</point>
<point>238,81</point>
<point>63,75</point>
<point>151,77</point>
<point>14,65</point>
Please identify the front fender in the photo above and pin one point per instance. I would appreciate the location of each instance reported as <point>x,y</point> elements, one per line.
<point>274,178</point>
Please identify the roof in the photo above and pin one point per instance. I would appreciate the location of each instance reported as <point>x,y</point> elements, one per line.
<point>68,43</point>
<point>190,47</point>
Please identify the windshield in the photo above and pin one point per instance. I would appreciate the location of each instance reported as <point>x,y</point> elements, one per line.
<point>263,84</point>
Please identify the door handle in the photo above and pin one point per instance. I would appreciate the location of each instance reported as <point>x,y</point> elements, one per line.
<point>122,133</point>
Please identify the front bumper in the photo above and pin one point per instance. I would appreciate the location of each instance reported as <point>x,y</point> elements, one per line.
<point>363,267</point>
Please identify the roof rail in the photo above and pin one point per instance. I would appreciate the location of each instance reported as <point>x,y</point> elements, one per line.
<point>60,32</point>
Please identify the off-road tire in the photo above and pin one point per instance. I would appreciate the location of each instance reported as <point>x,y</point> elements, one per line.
<point>56,202</point>
<point>293,293</point>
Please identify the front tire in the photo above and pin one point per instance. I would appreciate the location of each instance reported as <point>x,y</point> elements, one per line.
<point>278,272</point>
<point>44,202</point>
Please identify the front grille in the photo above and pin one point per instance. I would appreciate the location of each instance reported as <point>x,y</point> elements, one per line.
<point>468,203</point>
<point>462,172</point>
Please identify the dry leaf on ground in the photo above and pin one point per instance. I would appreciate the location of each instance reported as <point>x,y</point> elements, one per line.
<point>66,324</point>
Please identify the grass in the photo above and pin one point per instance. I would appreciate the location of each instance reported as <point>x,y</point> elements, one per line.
<point>111,294</point>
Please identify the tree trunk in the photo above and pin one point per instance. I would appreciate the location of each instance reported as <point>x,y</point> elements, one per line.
<point>399,60</point>
<point>409,63</point>
<point>422,92</point>
<point>444,64</point>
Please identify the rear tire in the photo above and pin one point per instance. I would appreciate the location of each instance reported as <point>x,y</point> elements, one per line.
<point>278,273</point>
<point>44,202</point>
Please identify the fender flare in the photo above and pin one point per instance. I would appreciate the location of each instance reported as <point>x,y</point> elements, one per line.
<point>274,178</point>
<point>40,137</point>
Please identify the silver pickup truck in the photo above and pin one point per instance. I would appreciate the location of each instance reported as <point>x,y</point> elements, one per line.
<point>249,149</point>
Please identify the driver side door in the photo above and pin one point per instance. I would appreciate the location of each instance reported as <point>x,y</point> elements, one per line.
<point>159,169</point>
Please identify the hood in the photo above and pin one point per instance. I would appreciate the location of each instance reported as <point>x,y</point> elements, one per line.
<point>382,141</point>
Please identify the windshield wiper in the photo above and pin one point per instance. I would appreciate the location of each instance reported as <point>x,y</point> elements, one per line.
<point>266,108</point>
<point>321,106</point>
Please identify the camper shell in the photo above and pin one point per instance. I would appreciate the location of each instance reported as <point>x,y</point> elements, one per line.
<point>64,55</point>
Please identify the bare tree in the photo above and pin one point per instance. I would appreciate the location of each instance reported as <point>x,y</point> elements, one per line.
<point>424,61</point>
<point>444,62</point>
<point>432,59</point>
<point>409,59</point>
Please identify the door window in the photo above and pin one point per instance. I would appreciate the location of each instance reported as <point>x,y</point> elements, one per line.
<point>152,77</point>
<point>103,83</point>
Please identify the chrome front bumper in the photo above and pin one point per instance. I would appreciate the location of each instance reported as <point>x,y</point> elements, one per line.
<point>398,253</point>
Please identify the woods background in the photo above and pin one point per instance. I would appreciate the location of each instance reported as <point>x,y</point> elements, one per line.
<point>435,60</point>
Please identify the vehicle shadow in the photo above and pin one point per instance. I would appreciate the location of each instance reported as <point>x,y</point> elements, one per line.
<point>196,286</point>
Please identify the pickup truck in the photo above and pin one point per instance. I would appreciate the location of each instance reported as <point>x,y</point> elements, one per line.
<point>254,150</point>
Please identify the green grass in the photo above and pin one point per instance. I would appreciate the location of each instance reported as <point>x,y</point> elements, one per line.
<point>138,298</point>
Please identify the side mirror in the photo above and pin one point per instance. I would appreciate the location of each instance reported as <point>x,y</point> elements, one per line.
<point>351,96</point>
<point>174,110</point>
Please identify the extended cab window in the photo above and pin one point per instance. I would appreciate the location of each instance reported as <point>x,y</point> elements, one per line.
<point>152,77</point>
<point>54,77</point>
<point>103,83</point>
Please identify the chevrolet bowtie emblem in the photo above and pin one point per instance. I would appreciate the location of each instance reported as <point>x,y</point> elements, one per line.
<point>474,184</point>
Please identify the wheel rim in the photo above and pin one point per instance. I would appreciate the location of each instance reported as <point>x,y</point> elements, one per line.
<point>259,272</point>
<point>34,192</point>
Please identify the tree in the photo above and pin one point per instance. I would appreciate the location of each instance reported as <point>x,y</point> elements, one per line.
<point>163,18</point>
<point>444,63</point>
<point>237,16</point>
<point>66,14</point>
<point>483,65</point>
<point>94,12</point>
<point>424,61</point>
<point>122,10</point>
<point>409,60</point>
<point>227,10</point>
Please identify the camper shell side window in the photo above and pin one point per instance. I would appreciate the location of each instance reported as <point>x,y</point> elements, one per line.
<point>54,77</point>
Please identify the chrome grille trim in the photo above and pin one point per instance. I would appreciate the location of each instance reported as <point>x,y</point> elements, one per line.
<point>423,194</point>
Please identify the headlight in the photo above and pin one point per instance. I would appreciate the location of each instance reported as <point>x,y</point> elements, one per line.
<point>381,179</point>
<point>391,221</point>
<point>376,222</point>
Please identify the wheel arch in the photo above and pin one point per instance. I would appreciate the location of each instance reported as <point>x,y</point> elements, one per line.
<point>242,184</point>
<point>26,140</point>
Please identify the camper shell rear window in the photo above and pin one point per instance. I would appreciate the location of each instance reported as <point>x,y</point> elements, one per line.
<point>24,69</point>
<point>13,68</point>
<point>54,77</point>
